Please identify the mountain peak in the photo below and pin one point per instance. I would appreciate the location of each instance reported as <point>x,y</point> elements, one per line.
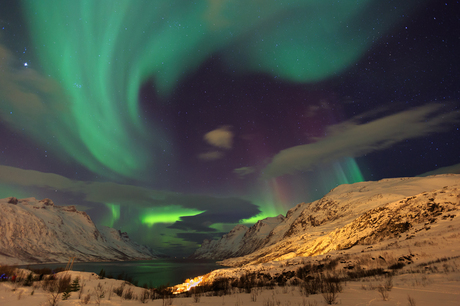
<point>308,227</point>
<point>36,231</point>
<point>360,213</point>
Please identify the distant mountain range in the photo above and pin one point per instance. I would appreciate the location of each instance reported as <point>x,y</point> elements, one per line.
<point>240,241</point>
<point>33,231</point>
<point>366,213</point>
<point>358,214</point>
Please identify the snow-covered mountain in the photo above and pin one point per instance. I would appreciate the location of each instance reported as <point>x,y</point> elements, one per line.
<point>240,241</point>
<point>33,231</point>
<point>360,213</point>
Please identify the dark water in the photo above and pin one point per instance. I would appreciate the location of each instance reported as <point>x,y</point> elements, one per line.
<point>151,272</point>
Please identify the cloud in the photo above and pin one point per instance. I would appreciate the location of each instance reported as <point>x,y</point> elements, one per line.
<point>225,210</point>
<point>444,170</point>
<point>313,110</point>
<point>198,237</point>
<point>221,137</point>
<point>101,192</point>
<point>27,96</point>
<point>352,138</point>
<point>212,155</point>
<point>243,171</point>
<point>216,209</point>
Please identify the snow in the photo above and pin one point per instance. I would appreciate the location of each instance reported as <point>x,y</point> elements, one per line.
<point>363,226</point>
<point>38,231</point>
<point>441,288</point>
<point>241,240</point>
<point>327,224</point>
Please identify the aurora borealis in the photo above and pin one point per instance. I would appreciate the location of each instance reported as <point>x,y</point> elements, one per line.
<point>176,120</point>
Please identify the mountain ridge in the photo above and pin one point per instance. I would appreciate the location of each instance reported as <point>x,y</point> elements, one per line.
<point>309,228</point>
<point>37,231</point>
<point>241,240</point>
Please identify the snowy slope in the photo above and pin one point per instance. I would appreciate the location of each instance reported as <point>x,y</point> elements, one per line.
<point>353,214</point>
<point>225,247</point>
<point>240,241</point>
<point>35,231</point>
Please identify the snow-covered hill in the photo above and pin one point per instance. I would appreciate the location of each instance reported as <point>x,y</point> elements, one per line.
<point>33,231</point>
<point>360,213</point>
<point>240,241</point>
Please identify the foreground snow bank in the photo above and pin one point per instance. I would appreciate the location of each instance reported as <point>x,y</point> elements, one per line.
<point>427,287</point>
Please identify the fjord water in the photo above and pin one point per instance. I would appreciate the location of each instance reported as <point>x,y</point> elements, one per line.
<point>150,272</point>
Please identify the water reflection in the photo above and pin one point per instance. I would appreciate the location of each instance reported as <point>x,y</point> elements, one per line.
<point>152,272</point>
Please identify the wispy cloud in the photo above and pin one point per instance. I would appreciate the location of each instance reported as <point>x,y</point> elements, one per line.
<point>198,237</point>
<point>211,155</point>
<point>243,171</point>
<point>313,109</point>
<point>444,170</point>
<point>353,138</point>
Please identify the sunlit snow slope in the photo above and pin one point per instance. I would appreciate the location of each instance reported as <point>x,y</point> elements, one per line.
<point>360,213</point>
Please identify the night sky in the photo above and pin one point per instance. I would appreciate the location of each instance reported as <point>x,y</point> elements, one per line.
<point>177,120</point>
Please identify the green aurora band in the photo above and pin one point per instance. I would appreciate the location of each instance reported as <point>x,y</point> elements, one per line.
<point>115,216</point>
<point>151,216</point>
<point>271,200</point>
<point>94,56</point>
<point>99,53</point>
<point>166,214</point>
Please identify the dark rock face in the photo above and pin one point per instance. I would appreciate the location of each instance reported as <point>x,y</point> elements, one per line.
<point>12,200</point>
<point>47,202</point>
